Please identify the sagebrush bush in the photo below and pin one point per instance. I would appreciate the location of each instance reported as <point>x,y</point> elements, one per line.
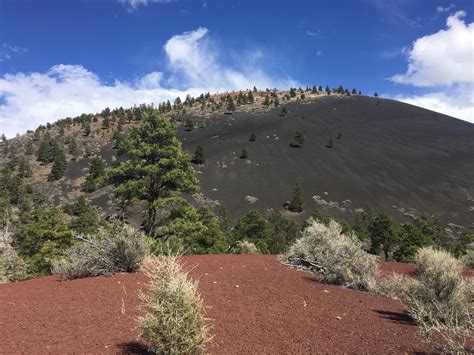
<point>12,267</point>
<point>338,257</point>
<point>245,247</point>
<point>468,258</point>
<point>175,321</point>
<point>119,248</point>
<point>440,299</point>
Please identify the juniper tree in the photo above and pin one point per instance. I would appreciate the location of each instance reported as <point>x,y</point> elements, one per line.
<point>199,157</point>
<point>253,137</point>
<point>296,202</point>
<point>158,171</point>
<point>244,154</point>
<point>189,124</point>
<point>106,122</point>
<point>24,169</point>
<point>230,103</point>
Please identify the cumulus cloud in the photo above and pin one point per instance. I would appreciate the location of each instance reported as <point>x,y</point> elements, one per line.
<point>442,63</point>
<point>30,99</point>
<point>443,58</point>
<point>457,102</point>
<point>193,59</point>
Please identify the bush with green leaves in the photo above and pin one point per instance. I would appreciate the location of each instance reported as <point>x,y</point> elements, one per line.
<point>468,257</point>
<point>440,300</point>
<point>175,320</point>
<point>117,248</point>
<point>339,258</point>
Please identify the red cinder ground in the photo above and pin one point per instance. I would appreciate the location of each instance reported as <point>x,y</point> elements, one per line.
<point>255,305</point>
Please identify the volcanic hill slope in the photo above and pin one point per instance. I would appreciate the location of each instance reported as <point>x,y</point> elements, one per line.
<point>399,158</point>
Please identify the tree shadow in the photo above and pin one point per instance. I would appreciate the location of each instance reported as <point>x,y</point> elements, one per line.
<point>133,347</point>
<point>397,317</point>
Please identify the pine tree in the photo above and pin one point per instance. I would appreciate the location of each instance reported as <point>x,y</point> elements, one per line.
<point>199,157</point>
<point>72,148</point>
<point>230,103</point>
<point>189,124</point>
<point>296,203</point>
<point>105,122</point>
<point>29,148</point>
<point>158,172</point>
<point>330,143</point>
<point>251,98</point>
<point>59,165</point>
<point>298,140</point>
<point>253,137</point>
<point>87,130</point>
<point>276,102</point>
<point>24,169</point>
<point>376,95</point>
<point>244,154</point>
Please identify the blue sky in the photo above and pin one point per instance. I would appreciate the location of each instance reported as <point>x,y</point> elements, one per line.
<point>61,58</point>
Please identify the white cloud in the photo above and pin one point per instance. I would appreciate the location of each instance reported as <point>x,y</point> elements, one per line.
<point>313,33</point>
<point>195,59</point>
<point>443,58</point>
<point>443,63</point>
<point>456,102</point>
<point>133,4</point>
<point>30,99</point>
<point>445,9</point>
<point>8,51</point>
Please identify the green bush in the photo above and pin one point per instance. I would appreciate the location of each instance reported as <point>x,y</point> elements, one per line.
<point>338,257</point>
<point>174,322</point>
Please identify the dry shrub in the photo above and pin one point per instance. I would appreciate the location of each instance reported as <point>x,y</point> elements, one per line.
<point>12,267</point>
<point>245,247</point>
<point>175,318</point>
<point>120,248</point>
<point>440,300</point>
<point>468,258</point>
<point>339,258</point>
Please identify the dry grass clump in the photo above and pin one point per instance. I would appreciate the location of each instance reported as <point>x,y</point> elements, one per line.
<point>339,258</point>
<point>175,318</point>
<point>245,247</point>
<point>440,300</point>
<point>120,248</point>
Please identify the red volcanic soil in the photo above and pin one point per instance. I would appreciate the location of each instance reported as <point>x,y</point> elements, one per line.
<point>255,304</point>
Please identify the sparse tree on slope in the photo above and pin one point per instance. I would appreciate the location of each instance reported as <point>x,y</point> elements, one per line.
<point>296,203</point>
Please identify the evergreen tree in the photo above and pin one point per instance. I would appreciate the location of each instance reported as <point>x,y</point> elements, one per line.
<point>244,154</point>
<point>159,171</point>
<point>330,143</point>
<point>29,148</point>
<point>106,122</point>
<point>252,228</point>
<point>266,101</point>
<point>251,98</point>
<point>296,202</point>
<point>230,103</point>
<point>339,136</point>
<point>276,102</point>
<point>72,148</point>
<point>253,137</point>
<point>298,140</point>
<point>199,157</point>
<point>24,169</point>
<point>384,234</point>
<point>376,95</point>
<point>87,130</point>
<point>189,124</point>
<point>59,165</point>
